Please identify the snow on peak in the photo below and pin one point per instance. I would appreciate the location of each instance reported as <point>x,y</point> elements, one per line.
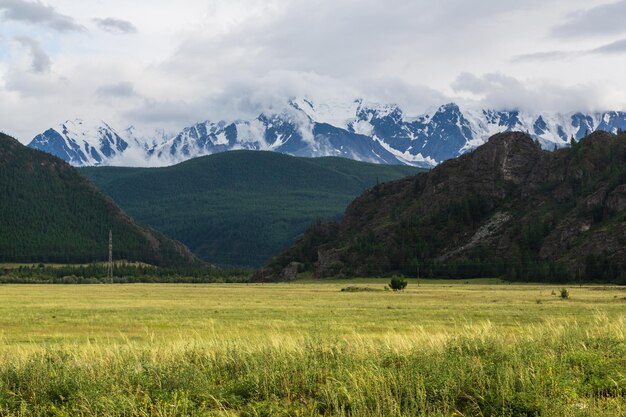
<point>356,129</point>
<point>336,113</point>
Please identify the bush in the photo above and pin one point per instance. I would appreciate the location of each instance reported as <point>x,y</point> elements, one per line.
<point>359,289</point>
<point>564,293</point>
<point>397,284</point>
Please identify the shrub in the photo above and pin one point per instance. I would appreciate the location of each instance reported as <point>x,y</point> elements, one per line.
<point>397,284</point>
<point>564,293</point>
<point>358,289</point>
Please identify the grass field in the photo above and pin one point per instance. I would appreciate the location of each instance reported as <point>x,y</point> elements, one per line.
<point>481,348</point>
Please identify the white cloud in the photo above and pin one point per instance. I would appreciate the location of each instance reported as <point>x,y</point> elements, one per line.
<point>40,60</point>
<point>605,19</point>
<point>164,112</point>
<point>121,89</point>
<point>617,47</point>
<point>229,59</point>
<point>500,91</point>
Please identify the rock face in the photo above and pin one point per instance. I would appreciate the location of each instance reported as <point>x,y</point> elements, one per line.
<point>506,209</point>
<point>616,201</point>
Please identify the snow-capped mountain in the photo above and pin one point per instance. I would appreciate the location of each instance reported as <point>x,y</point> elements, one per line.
<point>357,130</point>
<point>81,143</point>
<point>290,131</point>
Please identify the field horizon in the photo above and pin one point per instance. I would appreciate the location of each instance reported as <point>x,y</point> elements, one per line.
<point>465,348</point>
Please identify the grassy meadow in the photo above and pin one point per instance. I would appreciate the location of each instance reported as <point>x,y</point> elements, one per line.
<point>445,348</point>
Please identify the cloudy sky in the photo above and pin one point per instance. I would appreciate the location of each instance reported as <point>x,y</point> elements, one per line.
<point>168,64</point>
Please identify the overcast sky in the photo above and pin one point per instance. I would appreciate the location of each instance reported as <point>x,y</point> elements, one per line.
<point>169,64</point>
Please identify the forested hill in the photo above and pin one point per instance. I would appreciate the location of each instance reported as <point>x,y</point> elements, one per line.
<point>506,209</point>
<point>241,207</point>
<point>50,213</point>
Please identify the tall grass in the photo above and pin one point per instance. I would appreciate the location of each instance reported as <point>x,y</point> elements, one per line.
<point>553,369</point>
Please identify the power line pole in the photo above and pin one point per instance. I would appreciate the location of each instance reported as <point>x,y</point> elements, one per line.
<point>110,266</point>
<point>418,273</point>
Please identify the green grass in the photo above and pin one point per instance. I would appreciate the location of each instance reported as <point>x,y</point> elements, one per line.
<point>482,348</point>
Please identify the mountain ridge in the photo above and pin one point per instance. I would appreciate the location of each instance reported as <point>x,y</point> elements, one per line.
<point>507,208</point>
<point>370,132</point>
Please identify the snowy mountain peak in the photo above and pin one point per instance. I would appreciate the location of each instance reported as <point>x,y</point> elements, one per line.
<point>377,111</point>
<point>81,143</point>
<point>334,112</point>
<point>449,108</point>
<point>355,129</point>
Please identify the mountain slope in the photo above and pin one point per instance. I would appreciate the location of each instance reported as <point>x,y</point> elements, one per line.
<point>240,207</point>
<point>507,208</point>
<point>50,213</point>
<point>371,132</point>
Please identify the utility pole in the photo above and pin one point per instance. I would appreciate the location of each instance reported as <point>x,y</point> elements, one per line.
<point>110,266</point>
<point>418,273</point>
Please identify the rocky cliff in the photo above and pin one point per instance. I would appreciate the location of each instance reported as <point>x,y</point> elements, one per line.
<point>508,208</point>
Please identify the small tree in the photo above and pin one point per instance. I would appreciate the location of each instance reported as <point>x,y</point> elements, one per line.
<point>397,284</point>
<point>564,294</point>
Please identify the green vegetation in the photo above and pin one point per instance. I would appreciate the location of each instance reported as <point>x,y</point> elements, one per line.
<point>123,272</point>
<point>311,350</point>
<point>564,293</point>
<point>50,213</point>
<point>397,284</point>
<point>507,209</point>
<point>242,207</point>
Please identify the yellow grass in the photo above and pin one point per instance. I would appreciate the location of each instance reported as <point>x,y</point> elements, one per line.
<point>37,314</point>
<point>253,347</point>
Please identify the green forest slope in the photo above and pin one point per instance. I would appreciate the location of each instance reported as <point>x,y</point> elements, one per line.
<point>51,213</point>
<point>241,207</point>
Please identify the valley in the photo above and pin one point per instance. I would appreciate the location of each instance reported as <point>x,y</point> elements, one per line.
<point>236,208</point>
<point>306,348</point>
<point>241,207</point>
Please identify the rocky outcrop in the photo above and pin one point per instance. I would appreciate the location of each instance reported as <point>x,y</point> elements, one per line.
<point>485,233</point>
<point>616,201</point>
